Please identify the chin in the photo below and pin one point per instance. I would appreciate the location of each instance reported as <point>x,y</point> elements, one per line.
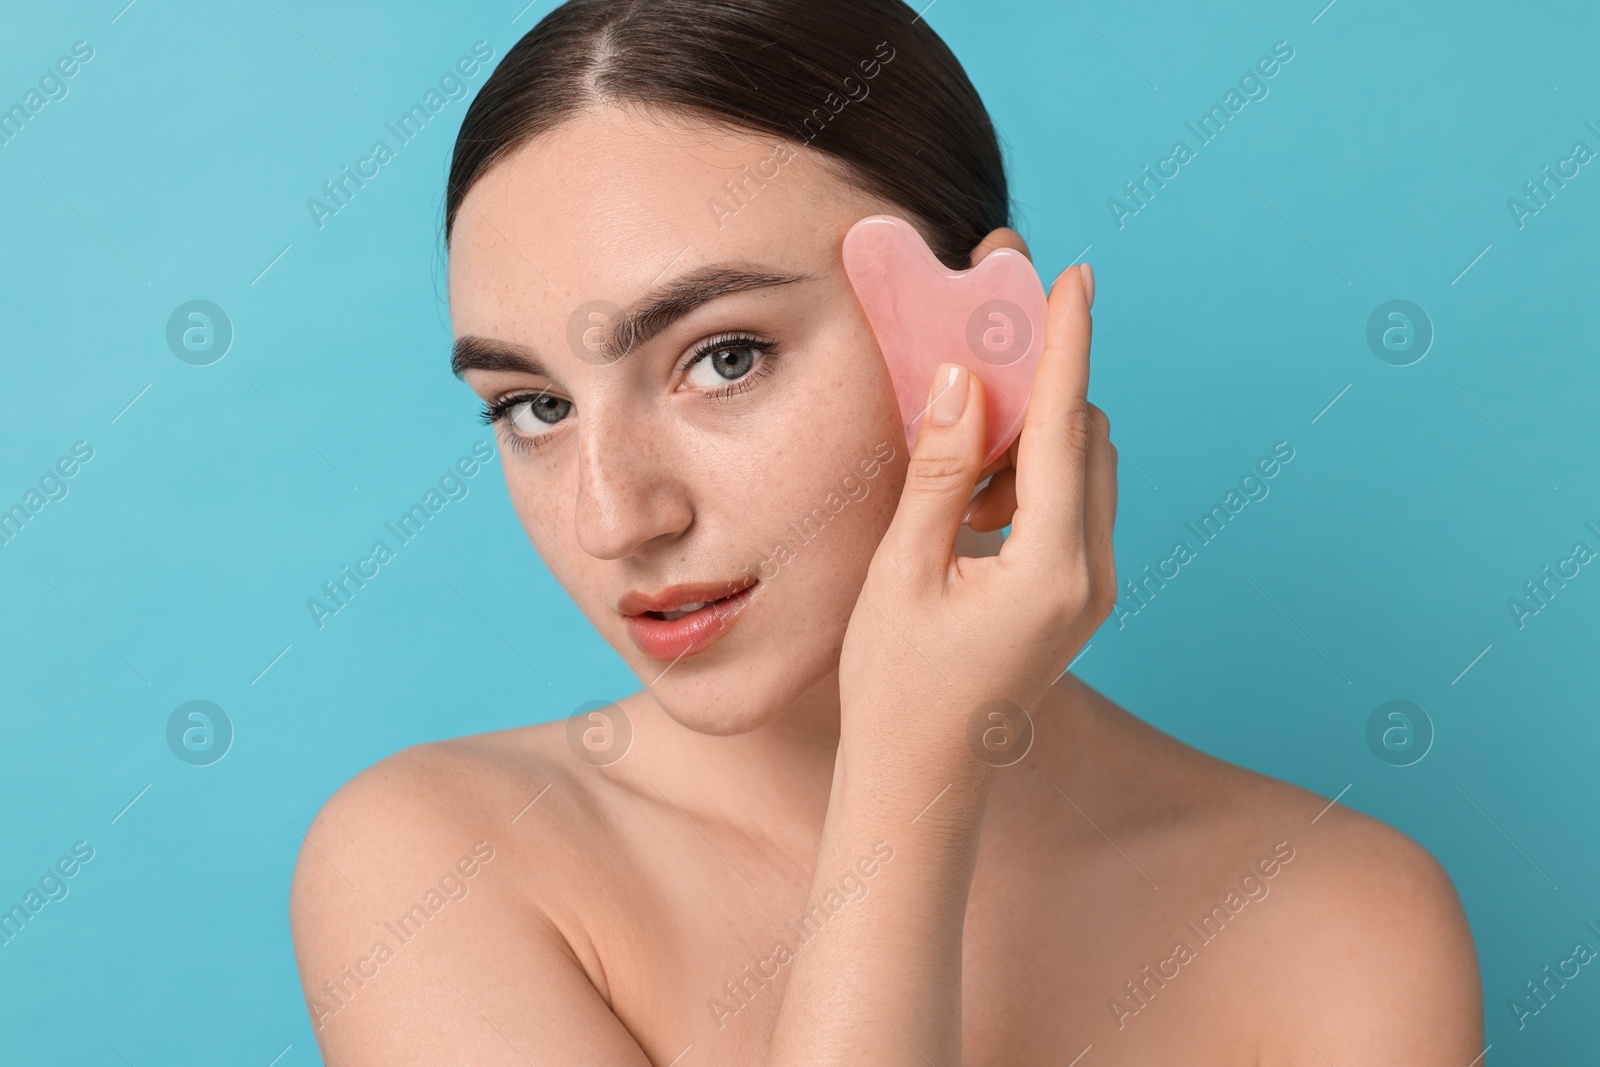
<point>737,687</point>
<point>723,711</point>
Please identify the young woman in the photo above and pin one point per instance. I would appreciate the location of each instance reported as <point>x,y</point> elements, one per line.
<point>860,813</point>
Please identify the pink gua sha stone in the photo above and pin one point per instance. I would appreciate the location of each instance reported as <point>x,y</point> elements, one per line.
<point>989,319</point>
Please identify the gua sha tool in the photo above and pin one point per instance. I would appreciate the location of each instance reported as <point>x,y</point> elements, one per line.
<point>989,319</point>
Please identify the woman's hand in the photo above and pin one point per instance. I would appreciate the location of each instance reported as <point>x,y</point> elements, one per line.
<point>942,651</point>
<point>992,508</point>
<point>937,638</point>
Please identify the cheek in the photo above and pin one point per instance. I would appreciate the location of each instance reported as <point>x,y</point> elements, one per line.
<point>845,407</point>
<point>817,501</point>
<point>533,495</point>
<point>544,500</point>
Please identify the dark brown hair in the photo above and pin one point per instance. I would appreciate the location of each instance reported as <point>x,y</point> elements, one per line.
<point>865,81</point>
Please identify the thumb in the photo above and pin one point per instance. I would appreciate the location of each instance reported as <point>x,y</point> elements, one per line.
<point>941,475</point>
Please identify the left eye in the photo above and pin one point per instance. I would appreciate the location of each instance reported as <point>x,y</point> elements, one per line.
<point>723,363</point>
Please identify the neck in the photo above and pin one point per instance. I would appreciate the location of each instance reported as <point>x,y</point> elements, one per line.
<point>781,774</point>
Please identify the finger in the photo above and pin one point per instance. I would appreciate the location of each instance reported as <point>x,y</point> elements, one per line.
<point>1099,518</point>
<point>1052,451</point>
<point>994,505</point>
<point>1001,463</point>
<point>939,478</point>
<point>1004,461</point>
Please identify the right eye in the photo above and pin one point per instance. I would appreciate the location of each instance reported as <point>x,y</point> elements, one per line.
<point>530,415</point>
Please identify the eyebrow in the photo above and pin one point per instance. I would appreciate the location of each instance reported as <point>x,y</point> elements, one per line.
<point>653,314</point>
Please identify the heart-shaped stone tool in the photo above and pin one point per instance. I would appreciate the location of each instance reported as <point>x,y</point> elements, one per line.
<point>989,319</point>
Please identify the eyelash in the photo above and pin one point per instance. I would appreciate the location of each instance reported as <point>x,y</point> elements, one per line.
<point>495,412</point>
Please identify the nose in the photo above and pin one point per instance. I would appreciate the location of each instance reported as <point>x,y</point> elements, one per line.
<point>629,488</point>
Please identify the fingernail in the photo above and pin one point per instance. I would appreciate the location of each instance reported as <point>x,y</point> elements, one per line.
<point>966,516</point>
<point>1088,283</point>
<point>950,394</point>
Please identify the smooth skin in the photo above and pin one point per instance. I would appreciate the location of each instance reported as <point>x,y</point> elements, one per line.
<point>821,752</point>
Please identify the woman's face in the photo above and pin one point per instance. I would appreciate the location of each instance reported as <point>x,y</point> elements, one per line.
<point>689,396</point>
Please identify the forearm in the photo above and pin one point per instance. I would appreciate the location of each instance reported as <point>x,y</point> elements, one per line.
<point>880,983</point>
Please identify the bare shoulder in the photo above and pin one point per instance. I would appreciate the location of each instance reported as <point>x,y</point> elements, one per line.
<point>1361,918</point>
<point>438,785</point>
<point>1376,922</point>
<point>422,908</point>
<point>1315,921</point>
<point>423,808</point>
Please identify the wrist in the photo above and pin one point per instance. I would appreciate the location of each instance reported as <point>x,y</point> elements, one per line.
<point>907,781</point>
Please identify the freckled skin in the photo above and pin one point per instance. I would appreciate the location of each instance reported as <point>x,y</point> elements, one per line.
<point>621,901</point>
<point>645,489</point>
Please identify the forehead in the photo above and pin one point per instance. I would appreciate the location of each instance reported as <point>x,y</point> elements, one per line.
<point>616,200</point>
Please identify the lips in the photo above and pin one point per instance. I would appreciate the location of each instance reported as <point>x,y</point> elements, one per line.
<point>685,619</point>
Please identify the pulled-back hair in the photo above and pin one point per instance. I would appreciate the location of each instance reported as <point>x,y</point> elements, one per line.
<point>866,82</point>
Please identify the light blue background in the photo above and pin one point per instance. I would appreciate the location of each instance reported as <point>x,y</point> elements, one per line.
<point>1231,311</point>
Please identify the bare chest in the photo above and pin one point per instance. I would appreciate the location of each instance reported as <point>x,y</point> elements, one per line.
<point>1065,954</point>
